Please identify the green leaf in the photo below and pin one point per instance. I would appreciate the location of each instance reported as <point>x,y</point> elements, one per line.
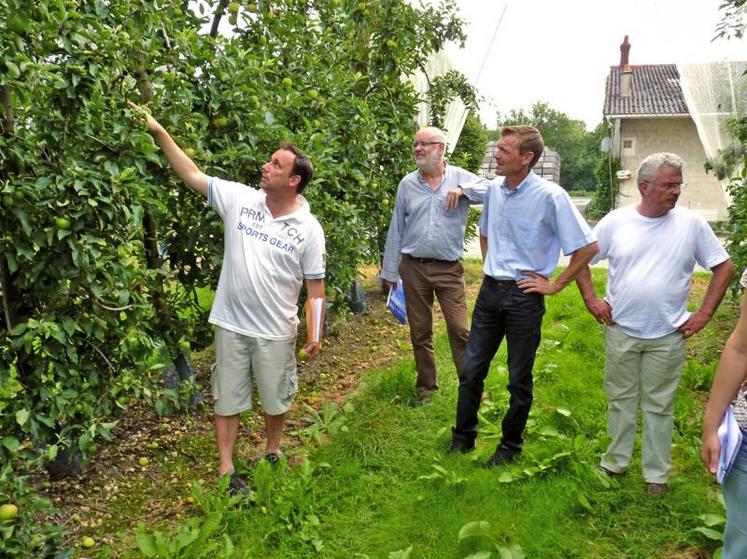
<point>476,529</point>
<point>145,543</point>
<point>22,416</point>
<point>549,431</point>
<point>514,551</point>
<point>584,501</point>
<point>401,554</point>
<point>479,555</point>
<point>710,533</point>
<point>506,477</point>
<point>563,411</point>
<point>11,443</point>
<point>712,520</point>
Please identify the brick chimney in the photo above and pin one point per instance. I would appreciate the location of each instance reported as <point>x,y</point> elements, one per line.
<point>627,72</point>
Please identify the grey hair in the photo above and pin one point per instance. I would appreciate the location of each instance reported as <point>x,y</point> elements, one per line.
<point>436,134</point>
<point>650,166</point>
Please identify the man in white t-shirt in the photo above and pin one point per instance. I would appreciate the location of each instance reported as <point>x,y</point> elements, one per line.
<point>652,250</point>
<point>272,245</point>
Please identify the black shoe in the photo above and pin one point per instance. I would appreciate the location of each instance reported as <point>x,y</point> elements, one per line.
<point>502,455</point>
<point>237,487</point>
<point>273,459</point>
<point>460,445</point>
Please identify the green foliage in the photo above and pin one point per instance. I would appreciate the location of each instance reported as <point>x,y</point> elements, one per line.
<point>732,163</point>
<point>443,89</point>
<point>577,148</point>
<point>103,253</point>
<point>470,149</point>
<point>607,188</point>
<point>30,535</point>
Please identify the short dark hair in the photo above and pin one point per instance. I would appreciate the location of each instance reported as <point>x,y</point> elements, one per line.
<point>301,165</point>
<point>530,140</point>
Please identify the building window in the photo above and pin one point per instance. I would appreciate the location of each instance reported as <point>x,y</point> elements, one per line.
<point>628,146</point>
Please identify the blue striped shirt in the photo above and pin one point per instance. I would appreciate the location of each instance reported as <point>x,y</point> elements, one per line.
<point>528,226</point>
<point>421,226</point>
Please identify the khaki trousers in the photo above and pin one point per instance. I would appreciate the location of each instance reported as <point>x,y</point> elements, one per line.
<point>648,371</point>
<point>421,279</point>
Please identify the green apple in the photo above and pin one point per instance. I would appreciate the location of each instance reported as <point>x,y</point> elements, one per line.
<point>87,542</point>
<point>303,355</point>
<point>233,8</point>
<point>220,122</point>
<point>190,152</point>
<point>8,512</point>
<point>143,461</point>
<point>288,81</point>
<point>62,223</point>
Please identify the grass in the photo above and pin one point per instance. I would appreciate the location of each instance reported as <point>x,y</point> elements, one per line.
<point>383,484</point>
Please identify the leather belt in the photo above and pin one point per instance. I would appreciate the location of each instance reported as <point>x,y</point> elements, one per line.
<point>428,260</point>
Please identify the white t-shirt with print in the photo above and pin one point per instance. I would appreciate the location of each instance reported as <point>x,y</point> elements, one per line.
<point>265,261</point>
<point>651,262</point>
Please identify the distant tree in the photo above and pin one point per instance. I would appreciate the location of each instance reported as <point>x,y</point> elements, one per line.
<point>578,148</point>
<point>470,148</point>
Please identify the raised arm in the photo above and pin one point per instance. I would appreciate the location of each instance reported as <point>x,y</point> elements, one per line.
<point>183,166</point>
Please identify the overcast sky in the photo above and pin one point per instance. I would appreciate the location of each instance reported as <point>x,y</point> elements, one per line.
<point>560,51</point>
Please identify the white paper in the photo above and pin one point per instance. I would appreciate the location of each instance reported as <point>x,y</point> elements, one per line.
<point>730,436</point>
<point>315,305</point>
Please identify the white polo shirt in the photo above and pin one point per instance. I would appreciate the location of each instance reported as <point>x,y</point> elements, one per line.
<point>265,261</point>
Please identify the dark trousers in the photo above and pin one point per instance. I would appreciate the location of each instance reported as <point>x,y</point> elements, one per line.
<point>502,309</point>
<point>421,281</point>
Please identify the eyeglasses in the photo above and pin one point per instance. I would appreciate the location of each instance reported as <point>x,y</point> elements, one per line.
<point>424,144</point>
<point>669,186</point>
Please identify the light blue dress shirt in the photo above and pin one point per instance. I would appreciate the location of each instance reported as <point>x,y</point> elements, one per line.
<point>528,226</point>
<point>421,226</point>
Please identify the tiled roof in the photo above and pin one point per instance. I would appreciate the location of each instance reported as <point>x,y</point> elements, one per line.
<point>655,90</point>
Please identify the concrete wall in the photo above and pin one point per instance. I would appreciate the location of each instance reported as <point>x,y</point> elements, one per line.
<point>640,137</point>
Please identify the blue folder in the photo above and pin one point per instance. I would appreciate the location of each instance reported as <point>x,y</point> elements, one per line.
<point>395,302</point>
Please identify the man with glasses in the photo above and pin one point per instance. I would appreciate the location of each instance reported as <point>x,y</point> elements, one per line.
<point>424,246</point>
<point>652,248</point>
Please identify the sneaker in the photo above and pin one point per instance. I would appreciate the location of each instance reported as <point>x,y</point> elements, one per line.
<point>656,489</point>
<point>502,455</point>
<point>237,487</point>
<point>273,459</point>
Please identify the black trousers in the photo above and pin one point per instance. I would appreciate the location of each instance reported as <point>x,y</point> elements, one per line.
<point>502,310</point>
